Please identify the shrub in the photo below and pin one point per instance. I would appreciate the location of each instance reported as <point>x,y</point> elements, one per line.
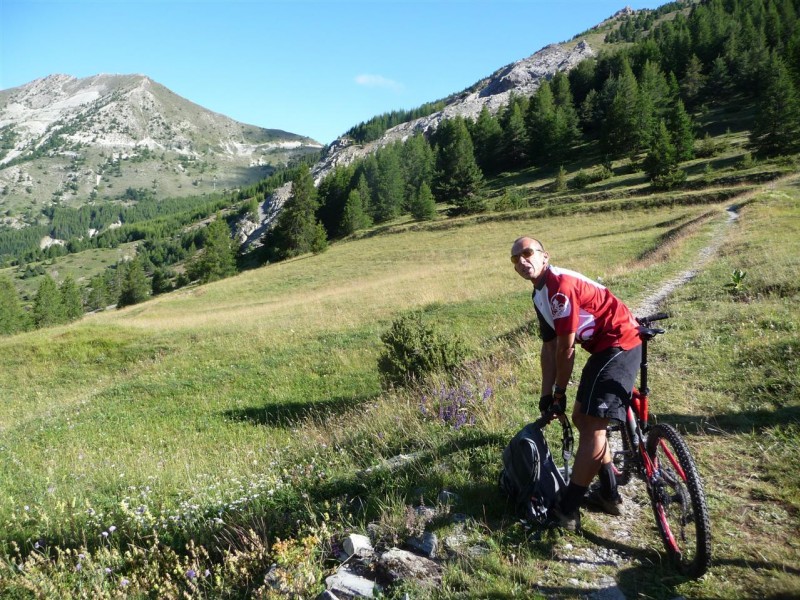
<point>414,348</point>
<point>667,181</point>
<point>511,199</point>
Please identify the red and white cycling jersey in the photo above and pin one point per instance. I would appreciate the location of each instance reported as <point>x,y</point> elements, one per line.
<point>568,302</point>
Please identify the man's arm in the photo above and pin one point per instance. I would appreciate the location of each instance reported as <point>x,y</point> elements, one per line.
<point>564,357</point>
<point>548,360</point>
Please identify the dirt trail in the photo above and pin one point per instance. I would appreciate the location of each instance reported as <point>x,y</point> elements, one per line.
<point>591,564</point>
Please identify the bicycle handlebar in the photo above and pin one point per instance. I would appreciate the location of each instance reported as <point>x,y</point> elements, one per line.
<point>650,318</point>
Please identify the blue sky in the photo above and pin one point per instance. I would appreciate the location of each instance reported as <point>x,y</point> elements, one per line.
<point>309,67</point>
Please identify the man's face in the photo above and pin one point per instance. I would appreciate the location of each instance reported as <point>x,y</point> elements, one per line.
<point>529,259</point>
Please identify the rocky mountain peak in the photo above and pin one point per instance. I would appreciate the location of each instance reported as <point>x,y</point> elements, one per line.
<point>60,136</point>
<point>522,78</point>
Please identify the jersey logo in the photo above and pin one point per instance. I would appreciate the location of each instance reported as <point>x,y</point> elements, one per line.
<point>560,306</point>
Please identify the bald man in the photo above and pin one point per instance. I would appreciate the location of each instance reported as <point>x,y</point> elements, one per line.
<point>572,309</point>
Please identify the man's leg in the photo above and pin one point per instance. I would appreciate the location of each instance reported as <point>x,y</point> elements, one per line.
<point>592,453</point>
<point>592,446</point>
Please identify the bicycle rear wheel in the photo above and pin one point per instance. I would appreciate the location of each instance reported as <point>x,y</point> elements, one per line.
<point>679,502</point>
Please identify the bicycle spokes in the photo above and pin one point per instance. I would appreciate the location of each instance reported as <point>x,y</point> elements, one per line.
<point>678,500</point>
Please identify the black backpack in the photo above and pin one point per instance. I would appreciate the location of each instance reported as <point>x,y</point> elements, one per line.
<point>530,478</point>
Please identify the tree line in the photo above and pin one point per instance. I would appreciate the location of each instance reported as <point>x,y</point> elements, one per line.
<point>632,103</point>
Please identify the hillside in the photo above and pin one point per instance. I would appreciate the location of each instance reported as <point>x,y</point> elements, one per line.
<point>187,435</point>
<point>69,141</point>
<point>224,439</point>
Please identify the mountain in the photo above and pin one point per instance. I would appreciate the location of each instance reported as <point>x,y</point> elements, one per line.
<point>68,140</point>
<point>522,78</point>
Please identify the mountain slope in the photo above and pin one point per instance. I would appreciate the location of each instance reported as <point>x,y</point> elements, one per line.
<point>62,138</point>
<point>522,78</point>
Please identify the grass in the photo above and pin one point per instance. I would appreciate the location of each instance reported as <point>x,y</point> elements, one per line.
<point>205,424</point>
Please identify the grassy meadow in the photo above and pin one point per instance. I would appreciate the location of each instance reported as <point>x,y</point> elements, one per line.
<point>181,447</point>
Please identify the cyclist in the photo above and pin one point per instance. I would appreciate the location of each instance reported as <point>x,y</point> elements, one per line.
<point>572,308</point>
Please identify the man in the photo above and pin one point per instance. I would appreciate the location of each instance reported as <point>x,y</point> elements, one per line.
<point>574,309</point>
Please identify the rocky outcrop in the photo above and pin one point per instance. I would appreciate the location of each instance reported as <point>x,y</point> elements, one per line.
<point>522,77</point>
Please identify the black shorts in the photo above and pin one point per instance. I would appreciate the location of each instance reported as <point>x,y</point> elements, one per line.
<point>607,381</point>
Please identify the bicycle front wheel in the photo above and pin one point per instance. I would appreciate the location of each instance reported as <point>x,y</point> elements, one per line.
<point>679,502</point>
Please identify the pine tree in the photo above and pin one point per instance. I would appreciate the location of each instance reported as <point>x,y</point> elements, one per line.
<point>389,188</point>
<point>418,164</point>
<point>777,125</point>
<point>332,197</point>
<point>364,191</point>
<point>540,121</point>
<point>13,318</point>
<point>297,230</point>
<point>354,217</point>
<point>681,131</point>
<point>47,307</point>
<point>694,81</point>
<point>458,178</point>
<point>567,132</point>
<point>515,136</point>
<point>487,137</point>
<point>217,259</point>
<point>71,299</point>
<point>661,158</point>
<point>621,132</point>
<point>135,288</point>
<point>98,293</point>
<point>423,207</point>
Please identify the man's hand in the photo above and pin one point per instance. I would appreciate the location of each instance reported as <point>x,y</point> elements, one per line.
<point>554,403</point>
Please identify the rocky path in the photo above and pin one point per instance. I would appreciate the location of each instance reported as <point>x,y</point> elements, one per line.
<point>592,564</point>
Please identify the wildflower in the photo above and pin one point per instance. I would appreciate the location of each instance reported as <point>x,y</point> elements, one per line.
<point>108,570</point>
<point>104,534</point>
<point>207,573</point>
<point>112,529</point>
<point>191,574</point>
<point>124,583</point>
<point>78,567</point>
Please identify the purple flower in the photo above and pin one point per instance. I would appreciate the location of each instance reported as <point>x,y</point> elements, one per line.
<point>191,574</point>
<point>124,583</point>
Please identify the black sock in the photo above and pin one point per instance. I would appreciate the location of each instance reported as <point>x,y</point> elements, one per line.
<point>608,482</point>
<point>572,498</point>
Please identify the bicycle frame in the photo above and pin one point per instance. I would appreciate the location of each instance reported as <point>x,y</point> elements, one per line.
<point>638,415</point>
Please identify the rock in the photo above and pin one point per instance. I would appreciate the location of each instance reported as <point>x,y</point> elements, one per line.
<point>448,498</point>
<point>426,544</point>
<point>397,565</point>
<point>348,584</point>
<point>358,544</point>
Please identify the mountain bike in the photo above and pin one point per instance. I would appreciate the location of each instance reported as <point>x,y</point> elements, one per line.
<point>659,456</point>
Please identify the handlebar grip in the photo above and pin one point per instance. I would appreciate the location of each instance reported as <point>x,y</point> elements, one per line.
<point>650,318</point>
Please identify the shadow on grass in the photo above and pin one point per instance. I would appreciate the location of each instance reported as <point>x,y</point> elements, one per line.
<point>289,414</point>
<point>740,422</point>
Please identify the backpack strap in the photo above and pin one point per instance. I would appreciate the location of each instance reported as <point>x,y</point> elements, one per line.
<point>567,443</point>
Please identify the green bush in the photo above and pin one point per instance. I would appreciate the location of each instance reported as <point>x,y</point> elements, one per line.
<point>667,181</point>
<point>414,348</point>
<point>512,199</point>
<point>599,173</point>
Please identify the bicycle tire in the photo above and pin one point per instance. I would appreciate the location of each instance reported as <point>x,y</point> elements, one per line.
<point>679,502</point>
<point>625,461</point>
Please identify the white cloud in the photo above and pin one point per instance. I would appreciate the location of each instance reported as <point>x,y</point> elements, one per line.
<point>378,81</point>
